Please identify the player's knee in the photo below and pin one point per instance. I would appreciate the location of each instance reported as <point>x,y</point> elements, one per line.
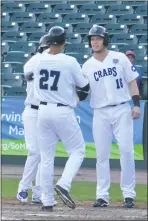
<point>126,148</point>
<point>34,153</point>
<point>102,157</point>
<point>127,155</point>
<point>79,152</point>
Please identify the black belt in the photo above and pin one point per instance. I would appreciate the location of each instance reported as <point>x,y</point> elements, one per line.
<point>58,104</point>
<point>34,107</point>
<point>115,104</point>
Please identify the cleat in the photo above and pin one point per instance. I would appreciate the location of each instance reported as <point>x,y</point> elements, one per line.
<point>100,203</point>
<point>23,196</point>
<point>55,203</point>
<point>65,197</point>
<point>36,201</point>
<point>129,202</point>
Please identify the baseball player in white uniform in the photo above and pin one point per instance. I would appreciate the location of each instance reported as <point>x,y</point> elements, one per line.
<point>32,167</point>
<point>56,76</point>
<point>112,81</point>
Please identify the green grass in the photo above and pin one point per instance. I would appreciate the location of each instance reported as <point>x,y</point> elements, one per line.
<point>80,191</point>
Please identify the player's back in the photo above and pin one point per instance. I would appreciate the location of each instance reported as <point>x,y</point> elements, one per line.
<point>28,67</point>
<point>54,79</point>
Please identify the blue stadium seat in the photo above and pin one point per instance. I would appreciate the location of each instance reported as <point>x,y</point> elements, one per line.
<point>116,29</point>
<point>124,39</point>
<point>144,89</point>
<point>83,28</point>
<point>39,7</point>
<point>142,10</point>
<point>65,8</point>
<point>79,48</point>
<point>81,58</point>
<point>92,9</point>
<point>14,57</point>
<point>130,19</point>
<point>144,71</point>
<point>4,89</point>
<point>27,2</point>
<point>85,39</point>
<point>5,16</point>
<point>5,47</point>
<point>66,26</point>
<point>6,69</point>
<point>80,3</point>
<point>108,3</point>
<point>138,49</point>
<point>23,17</point>
<point>35,37</point>
<point>53,3</point>
<point>138,29</point>
<point>143,40</point>
<point>134,3</point>
<point>141,60</point>
<point>14,36</point>
<point>9,26</point>
<point>27,47</point>
<point>103,19</point>
<point>73,38</point>
<point>12,80</point>
<point>17,67</point>
<point>113,47</point>
<point>16,91</point>
<point>30,27</point>
<point>49,17</point>
<point>13,7</point>
<point>75,18</point>
<point>120,10</point>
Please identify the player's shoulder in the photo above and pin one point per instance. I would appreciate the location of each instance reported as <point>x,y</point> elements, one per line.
<point>69,58</point>
<point>34,58</point>
<point>117,54</point>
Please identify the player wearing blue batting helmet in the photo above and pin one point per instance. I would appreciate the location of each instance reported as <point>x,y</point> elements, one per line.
<point>98,30</point>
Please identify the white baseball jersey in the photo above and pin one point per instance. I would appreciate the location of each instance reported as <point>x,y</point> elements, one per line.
<point>28,69</point>
<point>109,79</point>
<point>56,78</point>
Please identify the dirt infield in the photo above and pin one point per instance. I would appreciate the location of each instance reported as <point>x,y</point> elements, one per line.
<point>13,210</point>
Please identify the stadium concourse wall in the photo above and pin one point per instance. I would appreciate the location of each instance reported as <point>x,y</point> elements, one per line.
<point>13,147</point>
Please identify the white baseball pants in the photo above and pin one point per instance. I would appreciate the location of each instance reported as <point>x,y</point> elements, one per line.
<point>53,123</point>
<point>117,121</point>
<point>32,167</point>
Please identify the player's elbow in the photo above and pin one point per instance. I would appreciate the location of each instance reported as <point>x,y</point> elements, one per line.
<point>83,92</point>
<point>29,77</point>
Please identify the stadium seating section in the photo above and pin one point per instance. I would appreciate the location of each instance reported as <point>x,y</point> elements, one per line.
<point>24,22</point>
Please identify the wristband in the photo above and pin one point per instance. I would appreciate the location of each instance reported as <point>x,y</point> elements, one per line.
<point>136,100</point>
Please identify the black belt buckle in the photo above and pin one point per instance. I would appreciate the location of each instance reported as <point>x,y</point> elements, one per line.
<point>34,107</point>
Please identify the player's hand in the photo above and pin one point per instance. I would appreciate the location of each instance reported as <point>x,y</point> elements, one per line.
<point>136,112</point>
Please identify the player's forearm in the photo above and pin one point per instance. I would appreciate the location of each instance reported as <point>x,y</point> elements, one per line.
<point>83,92</point>
<point>134,91</point>
<point>133,88</point>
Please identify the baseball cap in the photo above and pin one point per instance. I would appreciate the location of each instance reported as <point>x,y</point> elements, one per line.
<point>130,53</point>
